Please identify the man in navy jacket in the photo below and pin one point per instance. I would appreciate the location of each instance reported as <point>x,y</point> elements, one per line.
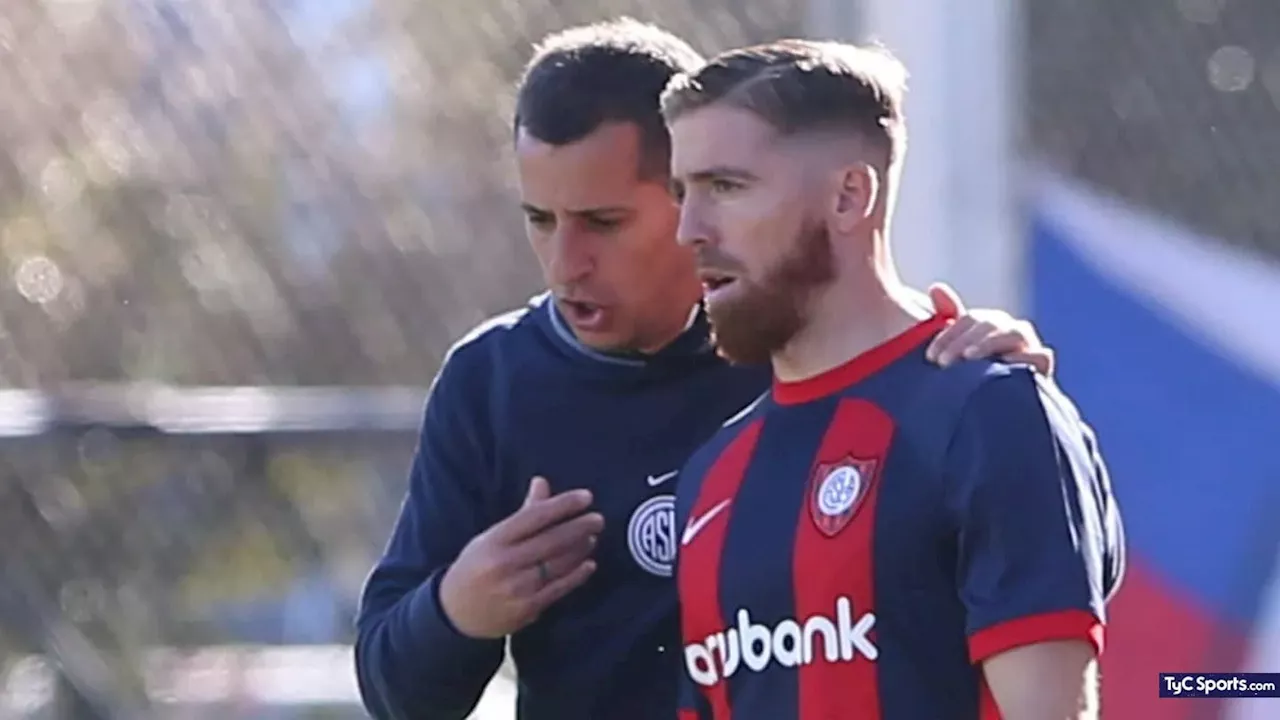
<point>540,501</point>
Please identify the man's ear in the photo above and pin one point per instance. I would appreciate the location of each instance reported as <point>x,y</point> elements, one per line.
<point>856,194</point>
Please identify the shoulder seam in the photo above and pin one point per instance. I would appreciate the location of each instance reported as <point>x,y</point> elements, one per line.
<point>746,412</point>
<point>961,409</point>
<point>485,329</point>
<point>1010,371</point>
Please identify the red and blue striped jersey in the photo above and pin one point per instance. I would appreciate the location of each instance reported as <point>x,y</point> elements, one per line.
<point>856,544</point>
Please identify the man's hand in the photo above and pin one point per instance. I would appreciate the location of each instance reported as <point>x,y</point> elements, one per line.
<point>506,576</point>
<point>985,333</point>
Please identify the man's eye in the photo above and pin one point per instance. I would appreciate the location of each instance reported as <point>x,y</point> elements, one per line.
<point>723,186</point>
<point>604,224</point>
<point>540,220</point>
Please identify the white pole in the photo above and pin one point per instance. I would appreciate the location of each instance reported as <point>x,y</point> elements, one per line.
<point>1263,655</point>
<point>957,219</point>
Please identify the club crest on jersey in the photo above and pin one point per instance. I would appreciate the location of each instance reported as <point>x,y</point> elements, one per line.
<point>652,536</point>
<point>838,489</point>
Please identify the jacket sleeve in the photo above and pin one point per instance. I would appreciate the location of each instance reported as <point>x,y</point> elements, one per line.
<point>411,662</point>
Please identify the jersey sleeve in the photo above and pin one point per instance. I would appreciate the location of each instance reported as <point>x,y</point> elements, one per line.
<point>411,662</point>
<point>1039,540</point>
<point>692,705</point>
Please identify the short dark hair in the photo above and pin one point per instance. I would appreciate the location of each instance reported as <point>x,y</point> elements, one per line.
<point>801,86</point>
<point>615,71</point>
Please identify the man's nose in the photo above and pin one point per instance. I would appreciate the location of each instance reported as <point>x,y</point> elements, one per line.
<point>693,229</point>
<point>572,257</point>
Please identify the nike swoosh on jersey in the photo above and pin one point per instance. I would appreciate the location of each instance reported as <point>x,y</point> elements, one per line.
<point>696,525</point>
<point>656,480</point>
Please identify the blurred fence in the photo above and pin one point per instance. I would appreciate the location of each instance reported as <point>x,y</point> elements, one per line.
<point>299,193</point>
<point>1172,105</point>
<point>146,526</point>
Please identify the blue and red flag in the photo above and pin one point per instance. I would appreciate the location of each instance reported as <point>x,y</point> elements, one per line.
<point>1171,347</point>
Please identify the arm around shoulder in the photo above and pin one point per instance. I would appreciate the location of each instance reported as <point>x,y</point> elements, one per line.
<point>1040,546</point>
<point>411,662</point>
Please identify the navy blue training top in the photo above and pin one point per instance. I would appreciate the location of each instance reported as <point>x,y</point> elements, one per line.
<point>856,544</point>
<point>521,397</point>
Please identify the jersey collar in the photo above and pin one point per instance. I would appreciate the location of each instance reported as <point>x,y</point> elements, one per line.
<point>860,367</point>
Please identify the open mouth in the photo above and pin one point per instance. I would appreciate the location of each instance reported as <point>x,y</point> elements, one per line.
<point>713,281</point>
<point>582,314</point>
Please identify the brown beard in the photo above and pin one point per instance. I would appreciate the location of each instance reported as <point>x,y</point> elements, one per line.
<point>765,316</point>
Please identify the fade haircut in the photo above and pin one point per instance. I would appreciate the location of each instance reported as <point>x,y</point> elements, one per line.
<point>615,71</point>
<point>804,86</point>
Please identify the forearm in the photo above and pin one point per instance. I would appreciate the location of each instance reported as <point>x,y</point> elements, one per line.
<point>412,663</point>
<point>1045,681</point>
